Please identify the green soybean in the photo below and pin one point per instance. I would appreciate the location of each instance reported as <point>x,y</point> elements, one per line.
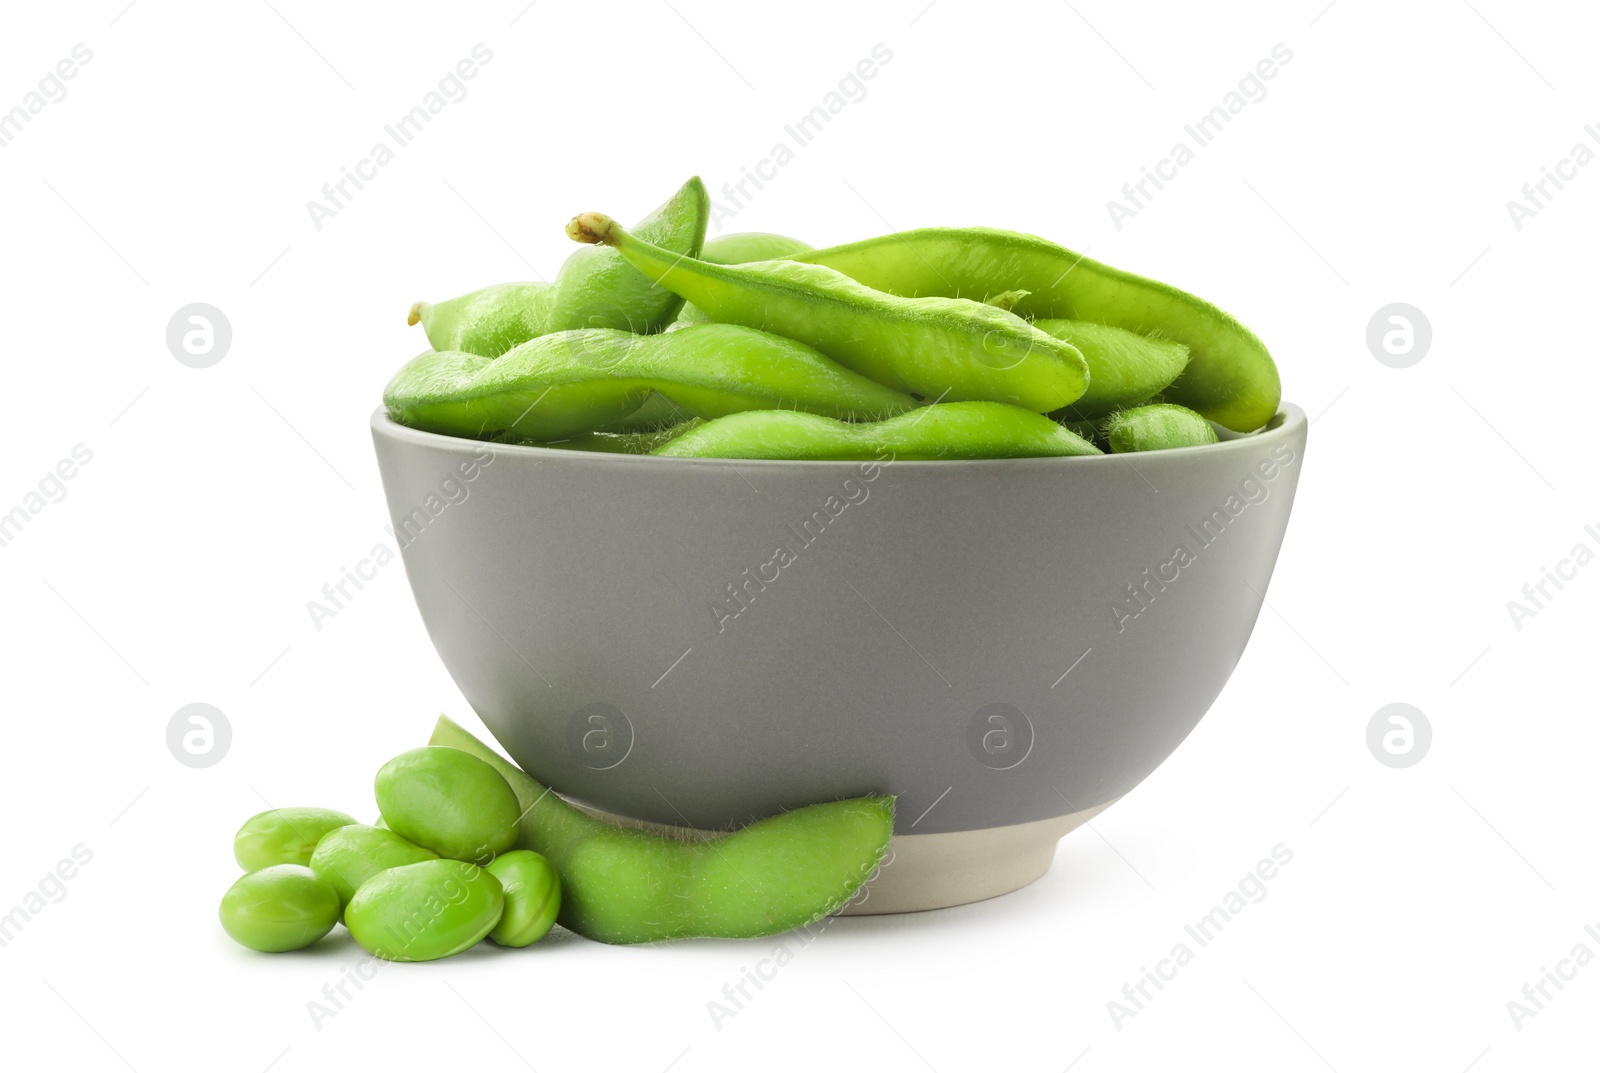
<point>939,348</point>
<point>425,911</point>
<point>284,836</point>
<point>349,856</point>
<point>449,802</point>
<point>1160,427</point>
<point>533,897</point>
<point>281,907</point>
<point>595,288</point>
<point>943,430</point>
<point>1124,367</point>
<point>1230,378</point>
<point>622,885</point>
<point>571,382</point>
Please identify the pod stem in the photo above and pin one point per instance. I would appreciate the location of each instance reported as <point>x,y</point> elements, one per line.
<point>415,316</point>
<point>593,228</point>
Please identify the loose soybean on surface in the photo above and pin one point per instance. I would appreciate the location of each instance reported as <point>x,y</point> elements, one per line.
<point>533,897</point>
<point>284,836</point>
<point>1230,377</point>
<point>449,802</point>
<point>940,348</point>
<point>349,856</point>
<point>425,911</point>
<point>281,907</point>
<point>622,885</point>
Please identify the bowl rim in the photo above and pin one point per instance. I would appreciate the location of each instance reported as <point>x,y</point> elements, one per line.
<point>1285,425</point>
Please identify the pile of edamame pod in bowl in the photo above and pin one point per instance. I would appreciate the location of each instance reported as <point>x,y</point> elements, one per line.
<point>937,343</point>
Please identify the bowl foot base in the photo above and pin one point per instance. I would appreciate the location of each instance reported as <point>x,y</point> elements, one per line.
<point>936,871</point>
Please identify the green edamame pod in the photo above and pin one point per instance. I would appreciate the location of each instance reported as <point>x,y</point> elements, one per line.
<point>1230,378</point>
<point>655,413</point>
<point>943,430</point>
<point>1160,427</point>
<point>623,885</point>
<point>597,289</point>
<point>1124,367</point>
<point>571,382</point>
<point>745,246</point>
<point>939,348</point>
<point>742,248</point>
<point>489,321</point>
<point>621,443</point>
<point>284,836</point>
<point>594,289</point>
<point>425,911</point>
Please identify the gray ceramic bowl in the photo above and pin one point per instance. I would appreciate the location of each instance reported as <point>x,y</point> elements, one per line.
<point>1009,646</point>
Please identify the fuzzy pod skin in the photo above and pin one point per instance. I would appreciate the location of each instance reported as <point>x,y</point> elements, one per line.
<point>533,897</point>
<point>597,289</point>
<point>622,443</point>
<point>1089,431</point>
<point>284,836</point>
<point>950,349</point>
<point>278,908</point>
<point>1230,377</point>
<point>623,885</point>
<point>1124,367</point>
<point>425,911</point>
<point>349,856</point>
<point>568,383</point>
<point>744,246</point>
<point>449,802</point>
<point>1161,427</point>
<point>737,249</point>
<point>488,321</point>
<point>594,289</point>
<point>946,430</point>
<point>654,414</point>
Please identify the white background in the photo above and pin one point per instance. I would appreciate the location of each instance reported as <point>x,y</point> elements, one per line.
<point>178,565</point>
